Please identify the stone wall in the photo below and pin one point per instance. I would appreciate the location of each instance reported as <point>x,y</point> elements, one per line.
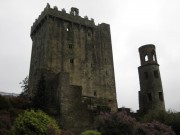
<point>68,43</point>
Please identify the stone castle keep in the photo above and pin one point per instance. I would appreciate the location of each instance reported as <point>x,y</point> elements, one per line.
<point>73,58</point>
<point>72,69</point>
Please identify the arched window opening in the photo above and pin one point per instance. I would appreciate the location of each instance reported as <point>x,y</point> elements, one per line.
<point>146,57</point>
<point>68,29</point>
<point>154,58</point>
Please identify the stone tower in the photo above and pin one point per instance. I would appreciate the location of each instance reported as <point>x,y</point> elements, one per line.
<point>151,91</point>
<point>74,56</point>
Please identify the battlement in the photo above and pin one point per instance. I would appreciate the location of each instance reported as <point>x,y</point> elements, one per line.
<point>146,47</point>
<point>73,16</point>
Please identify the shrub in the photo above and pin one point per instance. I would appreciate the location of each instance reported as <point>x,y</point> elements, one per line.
<point>90,132</point>
<point>7,103</point>
<point>6,119</point>
<point>115,123</point>
<point>35,123</point>
<point>4,103</point>
<point>5,123</point>
<point>123,124</point>
<point>66,132</point>
<point>20,102</point>
<point>153,128</point>
<point>169,118</point>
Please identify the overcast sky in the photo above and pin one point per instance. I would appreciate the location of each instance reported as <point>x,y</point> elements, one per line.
<point>133,23</point>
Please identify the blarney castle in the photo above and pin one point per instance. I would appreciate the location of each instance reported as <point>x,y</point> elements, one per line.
<point>74,58</point>
<point>72,67</point>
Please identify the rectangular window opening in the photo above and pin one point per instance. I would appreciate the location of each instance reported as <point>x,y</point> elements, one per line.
<point>106,72</point>
<point>71,61</point>
<point>161,96</point>
<point>70,46</point>
<point>156,75</point>
<point>95,93</point>
<point>149,96</point>
<point>146,75</point>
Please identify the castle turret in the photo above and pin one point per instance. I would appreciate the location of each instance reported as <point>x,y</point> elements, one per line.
<point>151,91</point>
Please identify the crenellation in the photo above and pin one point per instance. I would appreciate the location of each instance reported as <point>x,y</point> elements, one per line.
<point>74,11</point>
<point>55,8</point>
<point>86,17</point>
<point>75,18</point>
<point>63,10</point>
<point>48,6</point>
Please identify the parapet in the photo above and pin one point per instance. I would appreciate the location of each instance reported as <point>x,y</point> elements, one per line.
<point>73,16</point>
<point>147,46</point>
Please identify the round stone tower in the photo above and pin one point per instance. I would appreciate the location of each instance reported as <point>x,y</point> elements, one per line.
<point>151,91</point>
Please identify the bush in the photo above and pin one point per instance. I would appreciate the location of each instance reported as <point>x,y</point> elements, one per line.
<point>90,132</point>
<point>115,123</point>
<point>6,119</point>
<point>7,103</point>
<point>35,123</point>
<point>5,123</point>
<point>4,103</point>
<point>123,124</point>
<point>169,118</point>
<point>66,132</point>
<point>20,102</point>
<point>153,128</point>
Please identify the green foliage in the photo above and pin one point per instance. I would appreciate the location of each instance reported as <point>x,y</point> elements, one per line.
<point>5,122</point>
<point>7,103</point>
<point>90,132</point>
<point>6,119</point>
<point>35,123</point>
<point>25,87</point>
<point>169,118</point>
<point>10,108</point>
<point>155,115</point>
<point>4,103</point>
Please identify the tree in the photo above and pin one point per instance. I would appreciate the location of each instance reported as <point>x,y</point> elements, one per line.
<point>35,123</point>
<point>25,86</point>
